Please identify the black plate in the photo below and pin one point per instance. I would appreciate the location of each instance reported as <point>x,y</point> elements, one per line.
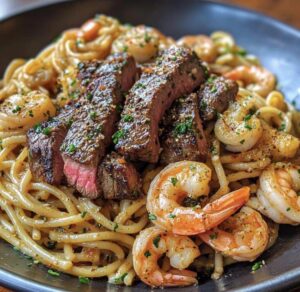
<point>275,43</point>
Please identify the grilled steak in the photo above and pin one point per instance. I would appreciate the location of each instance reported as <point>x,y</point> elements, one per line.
<point>90,134</point>
<point>44,142</point>
<point>119,178</point>
<point>183,137</point>
<point>177,71</point>
<point>215,95</point>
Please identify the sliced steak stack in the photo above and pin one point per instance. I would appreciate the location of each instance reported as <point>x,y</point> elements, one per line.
<point>215,95</point>
<point>119,178</point>
<point>90,134</point>
<point>44,143</point>
<point>176,72</point>
<point>183,137</point>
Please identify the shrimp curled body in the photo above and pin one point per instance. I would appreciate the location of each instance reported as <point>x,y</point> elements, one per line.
<point>239,128</point>
<point>187,178</point>
<point>151,244</point>
<point>277,193</point>
<point>255,78</point>
<point>243,236</point>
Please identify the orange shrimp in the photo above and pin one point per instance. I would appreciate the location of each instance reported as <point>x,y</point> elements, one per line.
<point>187,178</point>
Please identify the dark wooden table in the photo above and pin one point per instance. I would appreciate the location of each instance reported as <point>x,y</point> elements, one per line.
<point>284,10</point>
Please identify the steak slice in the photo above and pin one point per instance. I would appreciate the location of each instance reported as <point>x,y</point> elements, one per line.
<point>183,136</point>
<point>215,95</point>
<point>44,142</point>
<point>119,178</point>
<point>177,71</point>
<point>90,134</point>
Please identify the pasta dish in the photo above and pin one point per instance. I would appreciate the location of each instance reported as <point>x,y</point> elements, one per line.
<point>129,155</point>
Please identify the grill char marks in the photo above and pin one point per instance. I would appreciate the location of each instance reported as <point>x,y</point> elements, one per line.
<point>119,178</point>
<point>183,136</point>
<point>90,134</point>
<point>176,72</point>
<point>215,95</point>
<point>44,144</point>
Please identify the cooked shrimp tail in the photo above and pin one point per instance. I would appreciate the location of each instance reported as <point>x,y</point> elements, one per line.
<point>186,178</point>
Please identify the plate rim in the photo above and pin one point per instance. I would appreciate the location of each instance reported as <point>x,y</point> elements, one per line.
<point>288,279</point>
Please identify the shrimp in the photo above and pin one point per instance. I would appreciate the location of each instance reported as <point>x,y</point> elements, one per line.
<point>278,193</point>
<point>25,110</point>
<point>256,79</point>
<point>189,179</point>
<point>203,46</point>
<point>238,127</point>
<point>151,244</point>
<point>141,42</point>
<point>243,236</point>
<point>89,30</point>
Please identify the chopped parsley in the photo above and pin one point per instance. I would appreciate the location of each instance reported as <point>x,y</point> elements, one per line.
<point>213,150</point>
<point>147,253</point>
<point>241,52</point>
<point>213,89</point>
<point>46,131</point>
<point>53,273</point>
<point>120,280</point>
<point>16,109</point>
<point>247,117</point>
<point>118,135</point>
<point>282,127</point>
<point>147,38</point>
<point>128,118</point>
<point>288,209</point>
<point>140,85</point>
<point>156,241</point>
<point>257,266</point>
<point>248,127</point>
<point>38,128</point>
<point>93,115</point>
<point>30,113</point>
<point>242,141</point>
<point>152,217</point>
<point>172,216</point>
<point>71,148</point>
<point>83,280</point>
<point>125,48</point>
<point>184,127</point>
<point>116,226</point>
<point>174,181</point>
<point>89,96</point>
<point>190,202</point>
<point>119,108</point>
<point>83,214</point>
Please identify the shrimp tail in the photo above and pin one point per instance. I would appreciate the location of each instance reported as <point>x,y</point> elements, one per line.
<point>179,278</point>
<point>212,214</point>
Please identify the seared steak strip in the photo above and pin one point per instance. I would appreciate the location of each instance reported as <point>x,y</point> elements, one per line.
<point>119,178</point>
<point>215,95</point>
<point>177,71</point>
<point>44,142</point>
<point>90,134</point>
<point>183,137</point>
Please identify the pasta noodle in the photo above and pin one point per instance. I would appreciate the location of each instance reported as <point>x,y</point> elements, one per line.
<point>89,238</point>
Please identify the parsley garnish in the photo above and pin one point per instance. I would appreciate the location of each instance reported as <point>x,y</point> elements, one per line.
<point>242,141</point>
<point>248,127</point>
<point>89,96</point>
<point>118,135</point>
<point>140,85</point>
<point>46,131</point>
<point>128,118</point>
<point>257,266</point>
<point>213,236</point>
<point>184,127</point>
<point>30,113</point>
<point>172,216</point>
<point>16,109</point>
<point>147,253</point>
<point>174,181</point>
<point>282,127</point>
<point>156,241</point>
<point>51,244</point>
<point>71,148</point>
<point>83,214</point>
<point>83,280</point>
<point>288,209</point>
<point>116,226</point>
<point>53,273</point>
<point>152,217</point>
<point>93,115</point>
<point>120,280</point>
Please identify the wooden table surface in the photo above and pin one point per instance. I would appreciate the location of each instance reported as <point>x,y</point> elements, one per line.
<point>284,10</point>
